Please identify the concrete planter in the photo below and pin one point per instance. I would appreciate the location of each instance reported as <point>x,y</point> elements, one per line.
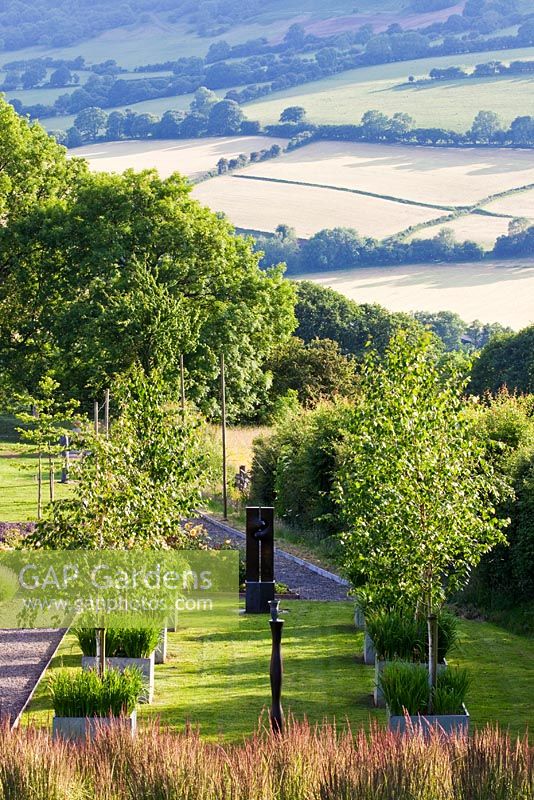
<point>379,667</point>
<point>359,619</point>
<point>144,665</point>
<point>160,653</point>
<point>448,724</point>
<point>80,728</point>
<point>369,652</point>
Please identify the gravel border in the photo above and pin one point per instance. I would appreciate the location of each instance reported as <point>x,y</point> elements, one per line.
<point>24,658</point>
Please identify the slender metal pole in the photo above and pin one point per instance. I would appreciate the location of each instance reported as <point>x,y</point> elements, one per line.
<point>182,383</point>
<point>223,421</point>
<point>106,413</point>
<point>95,415</point>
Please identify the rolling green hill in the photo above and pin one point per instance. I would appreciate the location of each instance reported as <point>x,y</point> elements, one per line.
<point>343,98</point>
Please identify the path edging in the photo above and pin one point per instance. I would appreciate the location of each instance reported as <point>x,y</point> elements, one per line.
<point>301,561</point>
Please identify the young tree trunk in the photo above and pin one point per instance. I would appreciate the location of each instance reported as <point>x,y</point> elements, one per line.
<point>51,476</point>
<point>432,656</point>
<point>40,486</point>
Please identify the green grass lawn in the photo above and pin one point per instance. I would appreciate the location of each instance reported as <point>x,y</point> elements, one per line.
<point>221,682</point>
<point>345,97</point>
<point>18,484</point>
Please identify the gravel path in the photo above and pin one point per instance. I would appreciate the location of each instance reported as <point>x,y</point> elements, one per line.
<point>24,656</point>
<point>299,575</point>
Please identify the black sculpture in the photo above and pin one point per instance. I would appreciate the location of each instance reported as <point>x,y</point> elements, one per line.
<point>276,671</point>
<point>259,585</point>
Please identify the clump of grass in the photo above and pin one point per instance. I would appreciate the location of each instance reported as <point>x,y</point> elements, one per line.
<point>87,694</point>
<point>401,634</point>
<point>137,642</point>
<point>396,634</point>
<point>312,762</point>
<point>406,690</point>
<point>452,686</point>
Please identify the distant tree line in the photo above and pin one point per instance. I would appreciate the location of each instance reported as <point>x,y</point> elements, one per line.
<point>210,116</point>
<point>375,126</point>
<point>486,70</point>
<point>344,248</point>
<point>207,116</point>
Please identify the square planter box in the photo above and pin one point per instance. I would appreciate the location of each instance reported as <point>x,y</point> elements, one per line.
<point>448,724</point>
<point>144,665</point>
<point>79,728</point>
<point>369,652</point>
<point>359,619</point>
<point>379,666</point>
<point>160,653</point>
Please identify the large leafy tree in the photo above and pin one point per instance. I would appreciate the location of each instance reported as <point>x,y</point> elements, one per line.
<point>323,313</point>
<point>417,492</point>
<point>129,268</point>
<point>33,168</point>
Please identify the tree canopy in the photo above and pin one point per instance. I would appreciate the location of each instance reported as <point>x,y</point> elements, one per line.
<point>109,270</point>
<point>507,360</point>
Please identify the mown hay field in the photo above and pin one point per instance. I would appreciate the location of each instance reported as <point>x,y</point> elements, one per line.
<point>262,205</point>
<point>473,227</point>
<point>191,157</point>
<point>489,291</point>
<point>519,205</point>
<point>343,98</point>
<point>438,175</point>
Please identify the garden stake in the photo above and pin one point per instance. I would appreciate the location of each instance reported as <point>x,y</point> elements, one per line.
<point>223,421</point>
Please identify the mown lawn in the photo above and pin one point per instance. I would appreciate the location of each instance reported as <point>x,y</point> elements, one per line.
<point>220,682</point>
<point>18,484</point>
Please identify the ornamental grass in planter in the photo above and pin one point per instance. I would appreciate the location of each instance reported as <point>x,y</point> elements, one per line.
<point>125,648</point>
<point>399,634</point>
<point>408,698</point>
<point>84,700</point>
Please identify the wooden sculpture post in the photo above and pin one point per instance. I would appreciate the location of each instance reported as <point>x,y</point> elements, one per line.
<point>276,671</point>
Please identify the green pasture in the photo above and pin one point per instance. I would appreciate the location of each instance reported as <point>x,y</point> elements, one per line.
<point>345,97</point>
<point>153,42</point>
<point>220,681</point>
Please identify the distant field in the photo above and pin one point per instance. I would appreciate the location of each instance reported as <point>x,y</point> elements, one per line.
<point>441,176</point>
<point>152,42</point>
<point>262,205</point>
<point>475,227</point>
<point>489,291</point>
<point>345,97</point>
<point>520,205</point>
<point>263,195</point>
<point>188,156</point>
